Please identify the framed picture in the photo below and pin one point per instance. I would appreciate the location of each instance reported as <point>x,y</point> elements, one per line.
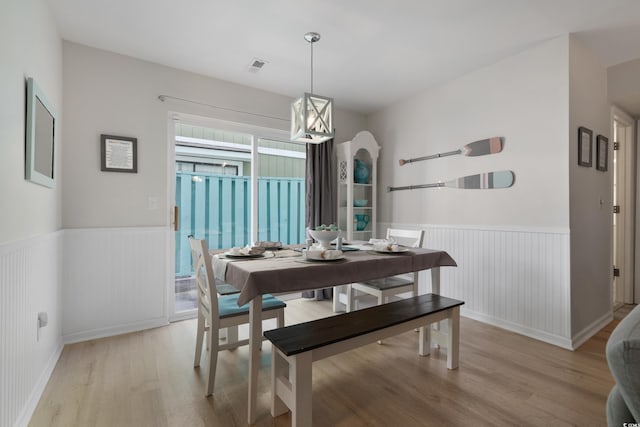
<point>118,154</point>
<point>584,146</point>
<point>40,137</point>
<point>602,153</point>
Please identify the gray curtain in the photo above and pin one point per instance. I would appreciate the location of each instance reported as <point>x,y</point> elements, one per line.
<point>320,194</point>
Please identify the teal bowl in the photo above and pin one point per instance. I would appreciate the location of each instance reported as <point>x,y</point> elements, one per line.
<point>359,203</point>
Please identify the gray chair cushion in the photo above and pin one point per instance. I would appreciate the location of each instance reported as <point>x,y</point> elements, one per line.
<point>623,356</point>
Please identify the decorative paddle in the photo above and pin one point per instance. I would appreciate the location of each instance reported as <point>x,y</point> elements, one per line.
<point>487,180</point>
<point>476,148</point>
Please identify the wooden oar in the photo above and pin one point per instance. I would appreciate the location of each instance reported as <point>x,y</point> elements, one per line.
<point>487,180</point>
<point>476,148</point>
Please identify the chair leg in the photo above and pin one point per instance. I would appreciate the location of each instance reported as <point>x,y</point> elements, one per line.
<point>213,360</point>
<point>382,299</point>
<point>350,291</point>
<point>199,339</point>
<point>336,299</point>
<point>232,334</point>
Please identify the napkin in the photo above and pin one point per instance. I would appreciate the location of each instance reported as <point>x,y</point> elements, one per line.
<point>247,250</point>
<point>317,252</point>
<point>388,245</point>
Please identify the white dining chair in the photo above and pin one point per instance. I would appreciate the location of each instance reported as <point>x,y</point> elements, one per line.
<point>222,288</point>
<point>218,312</point>
<point>389,286</point>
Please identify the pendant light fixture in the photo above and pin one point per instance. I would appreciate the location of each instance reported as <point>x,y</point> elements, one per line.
<point>312,115</point>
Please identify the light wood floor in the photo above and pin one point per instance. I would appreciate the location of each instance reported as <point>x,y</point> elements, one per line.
<point>504,379</point>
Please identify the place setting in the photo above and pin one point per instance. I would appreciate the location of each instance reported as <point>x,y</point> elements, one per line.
<point>387,246</point>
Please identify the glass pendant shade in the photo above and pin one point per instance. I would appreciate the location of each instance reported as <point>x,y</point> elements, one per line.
<point>312,119</point>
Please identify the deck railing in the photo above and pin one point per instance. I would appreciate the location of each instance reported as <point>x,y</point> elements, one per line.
<point>217,208</point>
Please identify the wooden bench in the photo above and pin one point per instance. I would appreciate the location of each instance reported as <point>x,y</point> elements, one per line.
<point>296,347</point>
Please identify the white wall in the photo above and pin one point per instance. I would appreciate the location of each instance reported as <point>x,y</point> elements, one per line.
<point>503,238</point>
<point>33,50</point>
<point>30,245</point>
<point>114,94</point>
<point>591,194</point>
<point>523,99</point>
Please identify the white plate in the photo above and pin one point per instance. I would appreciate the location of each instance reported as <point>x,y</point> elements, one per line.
<point>230,255</point>
<point>386,251</point>
<point>319,258</point>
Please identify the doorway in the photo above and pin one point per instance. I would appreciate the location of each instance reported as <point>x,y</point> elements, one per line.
<point>624,154</point>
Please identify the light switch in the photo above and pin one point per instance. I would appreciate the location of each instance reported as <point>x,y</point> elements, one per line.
<point>152,203</point>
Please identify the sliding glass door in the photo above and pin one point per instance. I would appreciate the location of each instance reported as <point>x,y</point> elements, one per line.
<point>232,188</point>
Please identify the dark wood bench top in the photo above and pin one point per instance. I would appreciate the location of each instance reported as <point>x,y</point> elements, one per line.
<point>308,336</point>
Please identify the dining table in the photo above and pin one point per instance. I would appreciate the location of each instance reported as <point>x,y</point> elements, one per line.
<point>288,271</point>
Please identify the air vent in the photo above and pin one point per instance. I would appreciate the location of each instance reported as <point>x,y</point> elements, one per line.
<point>256,65</point>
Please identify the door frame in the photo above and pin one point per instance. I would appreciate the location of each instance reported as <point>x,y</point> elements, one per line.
<point>628,205</point>
<point>257,132</point>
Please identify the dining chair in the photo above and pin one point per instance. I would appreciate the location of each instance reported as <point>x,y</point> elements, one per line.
<point>218,312</point>
<point>222,288</point>
<point>394,285</point>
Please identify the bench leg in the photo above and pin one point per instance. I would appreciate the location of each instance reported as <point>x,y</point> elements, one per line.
<point>453,339</point>
<point>293,393</point>
<point>300,377</point>
<point>279,383</point>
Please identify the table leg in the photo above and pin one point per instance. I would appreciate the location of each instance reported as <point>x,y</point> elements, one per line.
<point>435,280</point>
<point>435,289</point>
<point>255,340</point>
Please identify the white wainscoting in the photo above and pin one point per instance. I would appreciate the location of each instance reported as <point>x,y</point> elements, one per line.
<point>115,281</point>
<point>514,278</point>
<point>30,282</point>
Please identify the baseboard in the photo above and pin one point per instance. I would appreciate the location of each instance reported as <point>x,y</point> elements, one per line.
<point>115,330</point>
<point>31,403</point>
<point>519,329</point>
<point>582,336</point>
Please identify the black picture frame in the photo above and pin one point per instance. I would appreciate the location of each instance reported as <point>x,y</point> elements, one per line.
<point>602,153</point>
<point>585,137</point>
<point>118,154</point>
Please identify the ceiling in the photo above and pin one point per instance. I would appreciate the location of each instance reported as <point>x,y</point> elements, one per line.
<point>373,53</point>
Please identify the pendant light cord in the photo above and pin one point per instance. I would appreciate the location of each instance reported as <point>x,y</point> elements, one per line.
<point>311,42</point>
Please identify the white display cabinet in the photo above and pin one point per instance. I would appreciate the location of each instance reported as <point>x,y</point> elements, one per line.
<point>357,186</point>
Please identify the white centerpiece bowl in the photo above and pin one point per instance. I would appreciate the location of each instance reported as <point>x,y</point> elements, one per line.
<point>324,237</point>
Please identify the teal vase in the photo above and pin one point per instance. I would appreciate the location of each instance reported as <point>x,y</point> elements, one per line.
<point>360,172</point>
<point>361,221</point>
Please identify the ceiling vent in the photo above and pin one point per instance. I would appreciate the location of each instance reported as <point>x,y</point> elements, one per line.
<point>256,65</point>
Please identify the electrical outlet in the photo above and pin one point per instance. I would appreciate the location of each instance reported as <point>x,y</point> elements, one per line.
<point>43,320</point>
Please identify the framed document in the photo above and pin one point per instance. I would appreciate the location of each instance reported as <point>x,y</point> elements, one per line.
<point>118,154</point>
<point>584,146</point>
